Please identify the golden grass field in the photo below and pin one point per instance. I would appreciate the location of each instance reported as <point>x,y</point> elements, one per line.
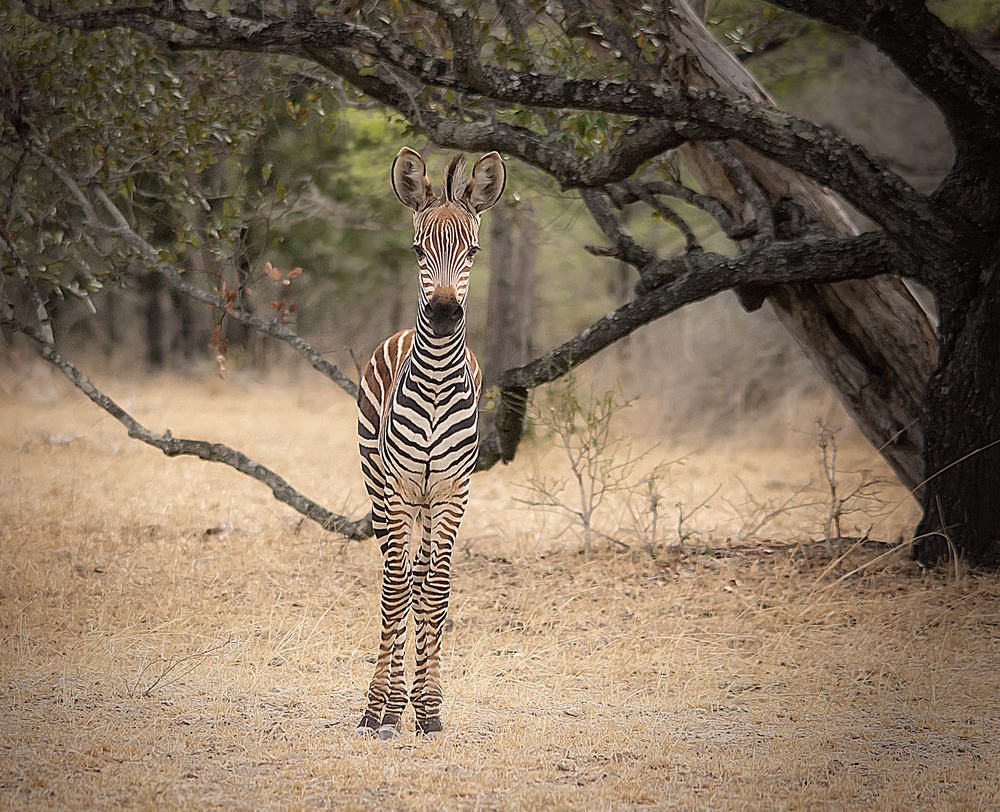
<point>173,638</point>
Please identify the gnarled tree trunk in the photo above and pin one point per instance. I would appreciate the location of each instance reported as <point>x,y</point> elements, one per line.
<point>870,339</point>
<point>962,426</point>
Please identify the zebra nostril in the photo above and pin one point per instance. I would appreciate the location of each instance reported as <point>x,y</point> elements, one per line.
<point>443,315</point>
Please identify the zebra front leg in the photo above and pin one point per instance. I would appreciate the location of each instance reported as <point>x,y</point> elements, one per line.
<point>387,692</point>
<point>430,613</point>
<point>421,564</point>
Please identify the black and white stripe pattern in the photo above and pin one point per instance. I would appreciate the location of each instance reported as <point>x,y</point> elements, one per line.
<point>417,408</point>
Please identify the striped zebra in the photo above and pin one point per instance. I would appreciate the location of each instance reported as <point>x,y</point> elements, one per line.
<point>418,435</point>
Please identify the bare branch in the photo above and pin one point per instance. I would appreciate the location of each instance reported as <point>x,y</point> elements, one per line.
<point>624,193</point>
<point>624,245</point>
<point>959,80</point>
<point>938,60</point>
<point>699,275</point>
<point>749,187</point>
<point>667,213</point>
<point>212,452</point>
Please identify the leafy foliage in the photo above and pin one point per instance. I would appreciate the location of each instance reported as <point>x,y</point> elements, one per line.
<point>162,133</point>
<point>338,171</point>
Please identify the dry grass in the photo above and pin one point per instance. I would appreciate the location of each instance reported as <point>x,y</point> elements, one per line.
<point>173,638</point>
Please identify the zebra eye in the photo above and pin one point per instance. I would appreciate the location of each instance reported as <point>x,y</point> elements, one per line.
<point>419,252</point>
<point>473,251</point>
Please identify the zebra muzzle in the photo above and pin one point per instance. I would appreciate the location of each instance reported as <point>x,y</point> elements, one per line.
<point>443,311</point>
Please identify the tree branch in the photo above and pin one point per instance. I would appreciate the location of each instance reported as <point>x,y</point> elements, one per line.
<point>169,445</point>
<point>938,60</point>
<point>357,530</point>
<point>950,72</point>
<point>624,245</point>
<point>750,189</point>
<point>696,276</point>
<point>671,114</point>
<point>624,193</point>
<point>45,335</point>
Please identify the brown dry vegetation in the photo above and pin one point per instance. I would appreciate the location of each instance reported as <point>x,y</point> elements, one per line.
<point>174,638</point>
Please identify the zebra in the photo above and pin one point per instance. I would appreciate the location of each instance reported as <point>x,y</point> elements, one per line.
<point>418,435</point>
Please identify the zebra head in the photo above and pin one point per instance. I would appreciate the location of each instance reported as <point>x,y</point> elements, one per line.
<point>446,228</point>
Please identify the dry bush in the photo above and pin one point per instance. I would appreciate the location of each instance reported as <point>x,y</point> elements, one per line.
<point>171,637</point>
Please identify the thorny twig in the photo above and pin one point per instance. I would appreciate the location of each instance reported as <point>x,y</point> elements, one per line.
<point>173,664</point>
<point>682,517</point>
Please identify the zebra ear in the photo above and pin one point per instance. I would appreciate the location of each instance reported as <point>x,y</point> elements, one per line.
<point>486,185</point>
<point>409,179</point>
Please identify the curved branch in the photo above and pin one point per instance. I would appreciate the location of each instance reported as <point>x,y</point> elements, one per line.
<point>680,114</point>
<point>949,71</point>
<point>357,530</point>
<point>938,60</point>
<point>623,245</point>
<point>693,277</point>
<point>123,230</point>
<point>463,35</point>
<point>690,240</point>
<point>744,181</point>
<point>624,193</point>
<point>644,140</point>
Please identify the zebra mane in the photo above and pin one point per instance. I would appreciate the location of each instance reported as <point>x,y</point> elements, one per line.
<point>456,180</point>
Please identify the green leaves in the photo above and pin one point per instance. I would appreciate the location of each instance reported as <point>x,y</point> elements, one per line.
<point>164,135</point>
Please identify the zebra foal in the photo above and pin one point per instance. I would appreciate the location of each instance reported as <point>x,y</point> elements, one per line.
<point>418,436</point>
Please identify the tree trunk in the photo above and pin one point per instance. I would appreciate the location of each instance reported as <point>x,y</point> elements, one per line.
<point>510,309</point>
<point>510,315</point>
<point>962,425</point>
<point>153,316</point>
<point>871,340</point>
<point>185,341</point>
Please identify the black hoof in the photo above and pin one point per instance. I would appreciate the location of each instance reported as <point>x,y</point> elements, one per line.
<point>430,728</point>
<point>368,727</point>
<point>389,728</point>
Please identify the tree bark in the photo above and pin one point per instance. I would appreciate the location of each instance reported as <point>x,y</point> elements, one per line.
<point>962,424</point>
<point>510,315</point>
<point>870,339</point>
<point>510,306</point>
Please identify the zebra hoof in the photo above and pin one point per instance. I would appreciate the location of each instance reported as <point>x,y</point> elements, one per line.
<point>367,727</point>
<point>430,728</point>
<point>387,732</point>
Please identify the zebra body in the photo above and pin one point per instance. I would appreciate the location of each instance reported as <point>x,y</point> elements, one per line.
<point>436,423</point>
<point>417,408</point>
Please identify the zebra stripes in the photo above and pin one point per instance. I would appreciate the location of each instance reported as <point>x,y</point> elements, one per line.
<point>417,432</point>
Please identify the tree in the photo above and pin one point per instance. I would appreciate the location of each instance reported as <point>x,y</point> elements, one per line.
<point>597,96</point>
<point>509,315</point>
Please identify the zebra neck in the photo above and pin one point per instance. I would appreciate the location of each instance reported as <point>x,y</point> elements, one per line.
<point>435,356</point>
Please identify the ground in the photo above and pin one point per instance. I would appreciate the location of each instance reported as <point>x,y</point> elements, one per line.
<point>171,637</point>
